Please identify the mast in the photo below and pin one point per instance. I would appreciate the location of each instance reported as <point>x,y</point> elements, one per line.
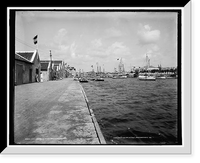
<point>97,67</point>
<point>146,61</point>
<point>121,66</point>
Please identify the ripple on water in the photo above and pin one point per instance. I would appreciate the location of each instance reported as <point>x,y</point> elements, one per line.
<point>134,112</point>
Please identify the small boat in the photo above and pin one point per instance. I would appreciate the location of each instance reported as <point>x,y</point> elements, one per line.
<point>123,77</point>
<point>99,79</point>
<point>119,77</point>
<point>161,77</point>
<point>172,77</point>
<point>146,78</point>
<point>83,80</point>
<point>92,79</point>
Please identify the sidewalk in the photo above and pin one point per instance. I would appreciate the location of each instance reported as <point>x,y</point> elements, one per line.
<point>54,112</point>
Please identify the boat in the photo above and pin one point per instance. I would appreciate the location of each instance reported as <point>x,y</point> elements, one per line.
<point>172,76</point>
<point>161,77</point>
<point>92,79</point>
<point>99,79</point>
<point>119,77</point>
<point>121,72</point>
<point>146,77</point>
<point>83,80</point>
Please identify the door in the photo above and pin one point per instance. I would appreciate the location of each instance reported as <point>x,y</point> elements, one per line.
<point>30,75</point>
<point>19,74</point>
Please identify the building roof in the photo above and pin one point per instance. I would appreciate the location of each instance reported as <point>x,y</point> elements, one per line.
<point>57,62</point>
<point>19,57</point>
<point>26,55</point>
<point>44,66</point>
<point>44,61</point>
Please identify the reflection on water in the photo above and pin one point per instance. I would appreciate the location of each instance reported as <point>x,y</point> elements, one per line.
<point>130,111</point>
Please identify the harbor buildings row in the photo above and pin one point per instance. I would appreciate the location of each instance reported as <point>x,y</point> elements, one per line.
<point>29,68</point>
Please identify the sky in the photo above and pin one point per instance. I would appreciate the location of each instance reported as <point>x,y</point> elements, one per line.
<point>82,39</point>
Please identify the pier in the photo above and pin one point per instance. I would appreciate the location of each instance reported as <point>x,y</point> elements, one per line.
<point>54,112</point>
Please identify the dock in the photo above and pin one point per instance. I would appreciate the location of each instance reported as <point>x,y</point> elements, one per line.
<point>54,112</point>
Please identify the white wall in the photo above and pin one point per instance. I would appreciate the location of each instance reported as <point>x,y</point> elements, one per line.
<point>45,75</point>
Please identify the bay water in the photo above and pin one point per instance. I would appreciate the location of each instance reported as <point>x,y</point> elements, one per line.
<point>130,111</point>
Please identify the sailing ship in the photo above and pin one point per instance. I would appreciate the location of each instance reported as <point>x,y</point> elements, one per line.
<point>99,74</point>
<point>121,72</point>
<point>146,76</point>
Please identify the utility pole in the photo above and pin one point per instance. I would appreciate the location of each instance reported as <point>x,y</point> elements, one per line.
<point>50,56</point>
<point>51,70</point>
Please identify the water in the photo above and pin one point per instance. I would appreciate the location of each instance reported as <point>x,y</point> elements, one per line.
<point>130,111</point>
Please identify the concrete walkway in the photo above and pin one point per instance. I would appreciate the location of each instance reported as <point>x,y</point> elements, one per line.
<point>54,112</point>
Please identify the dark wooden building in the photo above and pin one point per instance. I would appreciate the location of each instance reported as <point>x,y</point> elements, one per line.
<point>27,67</point>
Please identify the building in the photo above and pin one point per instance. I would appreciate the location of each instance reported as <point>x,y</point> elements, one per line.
<point>59,69</point>
<point>27,67</point>
<point>45,70</point>
<point>52,70</point>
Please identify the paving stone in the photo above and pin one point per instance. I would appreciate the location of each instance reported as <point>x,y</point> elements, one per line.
<point>53,112</point>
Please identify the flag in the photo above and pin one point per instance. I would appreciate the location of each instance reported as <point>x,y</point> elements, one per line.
<point>35,39</point>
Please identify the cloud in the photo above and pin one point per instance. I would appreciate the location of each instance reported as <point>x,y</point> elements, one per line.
<point>72,50</point>
<point>148,36</point>
<point>155,47</point>
<point>113,32</point>
<point>59,42</point>
<point>60,36</point>
<point>96,49</point>
<point>116,49</point>
<point>63,48</point>
<point>153,51</point>
<point>96,43</point>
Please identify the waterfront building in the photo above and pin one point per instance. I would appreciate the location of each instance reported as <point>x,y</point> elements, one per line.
<point>27,67</point>
<point>59,68</point>
<point>45,70</point>
<point>53,69</point>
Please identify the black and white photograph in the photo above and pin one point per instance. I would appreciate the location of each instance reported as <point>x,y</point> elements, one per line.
<point>89,77</point>
<point>97,78</point>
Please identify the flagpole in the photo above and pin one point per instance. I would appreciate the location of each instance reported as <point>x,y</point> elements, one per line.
<point>37,47</point>
<point>35,41</point>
